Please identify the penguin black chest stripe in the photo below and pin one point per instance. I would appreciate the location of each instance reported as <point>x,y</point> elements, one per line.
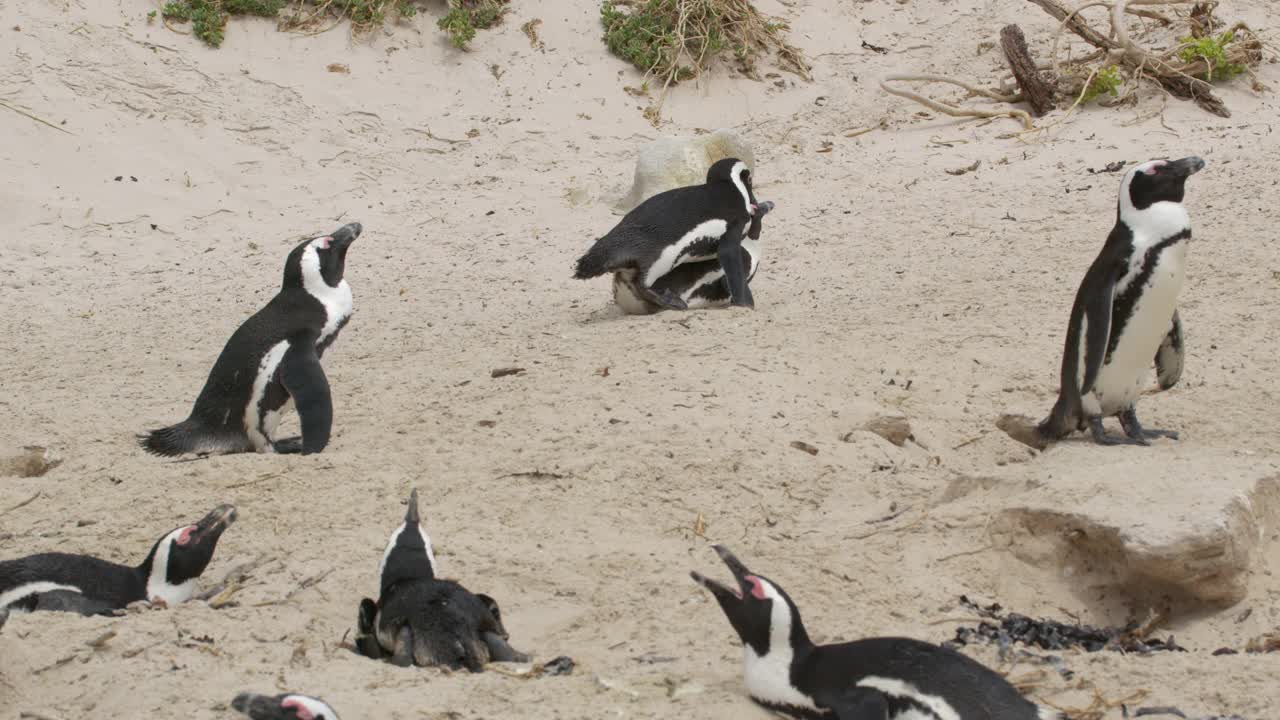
<point>1134,283</point>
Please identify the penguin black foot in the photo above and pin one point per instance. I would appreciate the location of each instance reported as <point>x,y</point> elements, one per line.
<point>500,650</point>
<point>663,299</point>
<point>403,655</point>
<point>288,446</point>
<point>1134,429</point>
<point>1101,437</point>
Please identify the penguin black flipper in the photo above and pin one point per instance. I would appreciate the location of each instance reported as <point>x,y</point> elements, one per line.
<point>366,630</point>
<point>1169,357</point>
<point>856,703</point>
<point>304,378</point>
<point>1097,315</point>
<point>735,273</point>
<point>69,601</point>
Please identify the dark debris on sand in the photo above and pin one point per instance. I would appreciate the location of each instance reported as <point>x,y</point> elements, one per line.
<point>1005,629</point>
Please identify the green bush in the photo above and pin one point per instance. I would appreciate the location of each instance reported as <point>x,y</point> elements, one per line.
<point>466,16</point>
<point>1213,50</point>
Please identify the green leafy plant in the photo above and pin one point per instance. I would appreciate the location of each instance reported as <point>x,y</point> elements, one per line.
<point>1213,51</point>
<point>1107,80</point>
<point>675,40</point>
<point>467,16</point>
<point>208,18</point>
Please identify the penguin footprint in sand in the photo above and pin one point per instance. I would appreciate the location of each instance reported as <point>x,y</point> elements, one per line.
<point>272,360</point>
<point>422,620</point>
<point>283,707</point>
<point>884,678</point>
<point>90,586</point>
<point>692,224</point>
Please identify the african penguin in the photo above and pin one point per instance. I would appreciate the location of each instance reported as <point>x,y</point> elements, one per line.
<point>1125,313</point>
<point>271,360</point>
<point>884,678</point>
<point>699,284</point>
<point>423,620</point>
<point>90,586</point>
<point>283,707</point>
<point>684,225</point>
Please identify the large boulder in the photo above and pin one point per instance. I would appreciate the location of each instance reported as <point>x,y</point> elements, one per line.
<point>669,163</point>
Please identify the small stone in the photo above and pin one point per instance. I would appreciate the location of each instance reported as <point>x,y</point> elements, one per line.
<point>895,429</point>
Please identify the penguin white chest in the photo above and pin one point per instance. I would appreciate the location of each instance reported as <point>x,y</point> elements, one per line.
<point>1155,298</point>
<point>338,304</point>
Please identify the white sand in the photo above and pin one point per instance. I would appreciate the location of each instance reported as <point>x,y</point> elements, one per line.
<point>888,286</point>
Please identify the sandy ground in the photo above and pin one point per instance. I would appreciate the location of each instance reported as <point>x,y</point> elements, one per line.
<point>888,286</point>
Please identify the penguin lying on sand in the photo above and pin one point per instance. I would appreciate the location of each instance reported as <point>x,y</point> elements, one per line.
<point>271,360</point>
<point>283,707</point>
<point>89,586</point>
<point>1125,314</point>
<point>698,284</point>
<point>884,678</point>
<point>684,225</point>
<point>419,619</point>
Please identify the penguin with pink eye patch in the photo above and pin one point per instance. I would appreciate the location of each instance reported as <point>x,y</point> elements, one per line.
<point>283,707</point>
<point>272,361</point>
<point>1125,316</point>
<point>882,678</point>
<point>91,586</point>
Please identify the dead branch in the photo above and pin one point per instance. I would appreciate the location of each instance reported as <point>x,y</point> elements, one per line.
<point>1037,92</point>
<point>952,110</point>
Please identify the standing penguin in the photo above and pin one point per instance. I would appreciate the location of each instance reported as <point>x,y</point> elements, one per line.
<point>289,706</point>
<point>688,224</point>
<point>420,619</point>
<point>273,359</point>
<point>884,678</point>
<point>1125,313</point>
<point>699,284</point>
<point>90,586</point>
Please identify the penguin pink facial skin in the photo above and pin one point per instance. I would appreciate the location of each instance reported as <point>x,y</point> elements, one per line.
<point>272,363</point>
<point>892,678</point>
<point>1125,316</point>
<point>283,707</point>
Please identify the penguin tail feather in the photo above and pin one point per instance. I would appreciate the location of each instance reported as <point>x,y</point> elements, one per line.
<point>173,440</point>
<point>590,265</point>
<point>241,702</point>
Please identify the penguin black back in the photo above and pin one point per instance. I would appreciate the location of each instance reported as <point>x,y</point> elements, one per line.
<point>685,224</point>
<point>1124,318</point>
<point>885,678</point>
<point>273,358</point>
<point>90,586</point>
<point>425,620</point>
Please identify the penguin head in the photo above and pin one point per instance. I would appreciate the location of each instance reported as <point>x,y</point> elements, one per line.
<point>182,555</point>
<point>408,554</point>
<point>320,261</point>
<point>734,172</point>
<point>760,611</point>
<point>283,707</point>
<point>1157,181</point>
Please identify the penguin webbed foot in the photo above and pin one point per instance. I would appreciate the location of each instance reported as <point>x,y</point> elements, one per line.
<point>1101,437</point>
<point>500,650</point>
<point>1134,430</point>
<point>288,446</point>
<point>665,299</point>
<point>403,655</point>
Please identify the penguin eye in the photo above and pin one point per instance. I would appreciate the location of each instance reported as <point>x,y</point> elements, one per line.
<point>757,587</point>
<point>324,242</point>
<point>185,536</point>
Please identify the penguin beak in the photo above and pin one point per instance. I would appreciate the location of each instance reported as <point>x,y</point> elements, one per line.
<point>347,234</point>
<point>740,572</point>
<point>763,208</point>
<point>1186,167</point>
<point>411,513</point>
<point>218,520</point>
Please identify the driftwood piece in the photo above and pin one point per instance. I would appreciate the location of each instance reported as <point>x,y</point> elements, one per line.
<point>1036,91</point>
<point>1076,24</point>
